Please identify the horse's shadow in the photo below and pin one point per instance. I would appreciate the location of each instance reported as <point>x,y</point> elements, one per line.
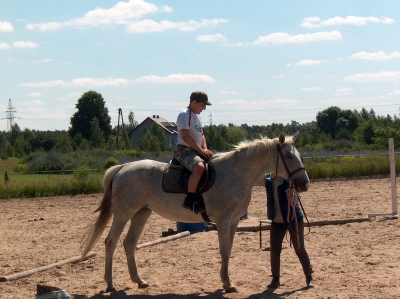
<point>123,295</point>
<point>267,294</point>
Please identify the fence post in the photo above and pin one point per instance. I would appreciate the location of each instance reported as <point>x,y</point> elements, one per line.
<point>6,178</point>
<point>393,176</point>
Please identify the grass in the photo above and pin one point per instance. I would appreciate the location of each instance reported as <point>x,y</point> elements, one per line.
<point>8,164</point>
<point>43,185</point>
<point>83,181</point>
<point>351,166</point>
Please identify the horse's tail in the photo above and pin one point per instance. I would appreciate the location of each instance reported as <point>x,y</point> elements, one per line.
<point>96,229</point>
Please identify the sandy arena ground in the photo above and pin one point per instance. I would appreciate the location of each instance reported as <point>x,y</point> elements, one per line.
<point>354,260</point>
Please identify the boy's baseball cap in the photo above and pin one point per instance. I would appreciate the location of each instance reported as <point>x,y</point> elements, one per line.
<point>200,96</point>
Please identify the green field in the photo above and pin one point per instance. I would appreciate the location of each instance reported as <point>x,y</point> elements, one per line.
<point>21,185</point>
<point>85,181</point>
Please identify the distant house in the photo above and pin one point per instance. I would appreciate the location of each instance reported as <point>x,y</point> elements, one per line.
<point>169,129</point>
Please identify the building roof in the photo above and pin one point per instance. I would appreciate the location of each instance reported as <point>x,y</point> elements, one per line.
<point>165,124</point>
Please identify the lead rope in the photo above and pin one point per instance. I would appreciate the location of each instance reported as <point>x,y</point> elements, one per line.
<point>292,200</point>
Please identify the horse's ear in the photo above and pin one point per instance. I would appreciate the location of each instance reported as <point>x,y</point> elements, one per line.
<point>295,136</point>
<point>281,138</point>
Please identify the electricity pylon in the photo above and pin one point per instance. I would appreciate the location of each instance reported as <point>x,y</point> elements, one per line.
<point>10,115</point>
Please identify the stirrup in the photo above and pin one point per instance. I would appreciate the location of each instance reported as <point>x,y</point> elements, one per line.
<point>194,207</point>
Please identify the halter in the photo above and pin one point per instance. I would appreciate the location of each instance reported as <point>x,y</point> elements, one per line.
<point>290,174</point>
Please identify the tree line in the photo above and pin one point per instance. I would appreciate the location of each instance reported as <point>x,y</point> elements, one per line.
<point>90,128</point>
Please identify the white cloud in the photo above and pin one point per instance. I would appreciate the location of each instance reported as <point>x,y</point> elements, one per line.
<point>211,38</point>
<point>313,22</point>
<point>80,82</point>
<point>283,38</point>
<point>36,103</point>
<point>6,27</point>
<point>341,91</point>
<point>375,55</point>
<point>308,62</point>
<point>228,92</point>
<point>34,94</point>
<point>4,45</point>
<point>27,44</point>
<point>278,76</point>
<point>234,102</point>
<point>394,92</point>
<point>176,79</point>
<point>42,61</point>
<point>383,76</point>
<point>153,26</point>
<point>311,89</point>
<point>120,14</point>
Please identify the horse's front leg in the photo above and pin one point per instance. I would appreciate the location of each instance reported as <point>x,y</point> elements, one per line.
<point>138,221</point>
<point>226,234</point>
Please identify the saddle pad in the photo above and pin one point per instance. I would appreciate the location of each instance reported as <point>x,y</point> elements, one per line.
<point>175,180</point>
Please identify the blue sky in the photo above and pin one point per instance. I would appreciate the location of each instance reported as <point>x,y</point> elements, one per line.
<point>259,61</point>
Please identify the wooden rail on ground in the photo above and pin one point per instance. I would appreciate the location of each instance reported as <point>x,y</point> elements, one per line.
<point>23,274</point>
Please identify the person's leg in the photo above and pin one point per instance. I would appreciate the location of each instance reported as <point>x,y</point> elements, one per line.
<point>193,183</point>
<point>191,160</point>
<point>297,238</point>
<point>277,233</point>
<point>195,177</point>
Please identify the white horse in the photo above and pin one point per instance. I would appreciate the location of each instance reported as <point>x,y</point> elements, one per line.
<point>133,191</point>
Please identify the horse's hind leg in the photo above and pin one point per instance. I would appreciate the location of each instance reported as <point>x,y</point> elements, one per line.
<point>226,234</point>
<point>138,221</point>
<point>111,242</point>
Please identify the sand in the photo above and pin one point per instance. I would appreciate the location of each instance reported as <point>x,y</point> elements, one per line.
<point>353,260</point>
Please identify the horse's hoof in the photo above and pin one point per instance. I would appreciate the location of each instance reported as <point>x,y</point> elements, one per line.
<point>231,289</point>
<point>111,290</point>
<point>143,285</point>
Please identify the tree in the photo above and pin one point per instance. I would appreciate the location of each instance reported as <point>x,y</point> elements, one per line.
<point>326,120</point>
<point>90,105</point>
<point>96,136</point>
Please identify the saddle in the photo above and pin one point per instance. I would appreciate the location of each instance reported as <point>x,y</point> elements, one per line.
<point>176,176</point>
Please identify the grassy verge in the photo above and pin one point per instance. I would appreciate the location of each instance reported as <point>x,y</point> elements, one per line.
<point>43,185</point>
<point>354,166</point>
<point>85,182</point>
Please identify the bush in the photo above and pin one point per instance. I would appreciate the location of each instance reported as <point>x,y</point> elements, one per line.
<point>20,168</point>
<point>81,174</point>
<point>111,161</point>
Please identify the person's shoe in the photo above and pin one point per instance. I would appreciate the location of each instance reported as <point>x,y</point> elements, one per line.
<point>193,206</point>
<point>309,281</point>
<point>274,284</point>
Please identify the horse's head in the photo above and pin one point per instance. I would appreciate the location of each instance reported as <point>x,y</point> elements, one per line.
<point>289,164</point>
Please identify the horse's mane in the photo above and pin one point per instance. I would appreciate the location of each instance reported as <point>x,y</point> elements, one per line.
<point>251,146</point>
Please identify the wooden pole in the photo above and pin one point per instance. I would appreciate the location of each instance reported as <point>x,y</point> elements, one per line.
<point>23,274</point>
<point>164,240</point>
<point>393,176</point>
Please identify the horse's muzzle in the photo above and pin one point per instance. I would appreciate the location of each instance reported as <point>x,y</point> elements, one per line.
<point>302,187</point>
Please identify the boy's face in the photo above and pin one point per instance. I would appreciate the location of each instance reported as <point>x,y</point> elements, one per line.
<point>197,107</point>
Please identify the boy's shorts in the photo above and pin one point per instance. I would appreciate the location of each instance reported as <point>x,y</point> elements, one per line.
<point>186,156</point>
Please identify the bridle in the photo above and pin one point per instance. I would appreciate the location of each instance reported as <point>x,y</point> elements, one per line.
<point>290,173</point>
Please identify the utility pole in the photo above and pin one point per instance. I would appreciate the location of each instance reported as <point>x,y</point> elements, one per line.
<point>123,128</point>
<point>10,115</point>
<point>210,119</point>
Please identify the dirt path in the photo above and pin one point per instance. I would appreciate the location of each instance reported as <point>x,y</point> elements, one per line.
<point>355,260</point>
